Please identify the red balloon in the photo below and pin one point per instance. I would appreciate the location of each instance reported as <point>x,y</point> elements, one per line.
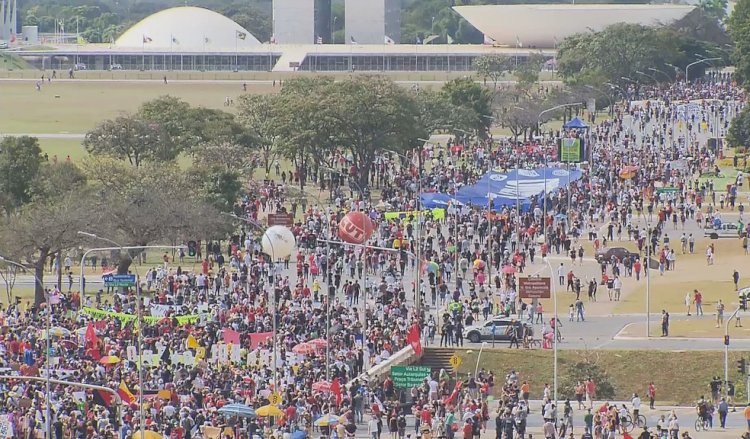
<point>355,228</point>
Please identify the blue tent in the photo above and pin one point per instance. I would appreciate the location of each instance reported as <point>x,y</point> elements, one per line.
<point>575,124</point>
<point>517,187</point>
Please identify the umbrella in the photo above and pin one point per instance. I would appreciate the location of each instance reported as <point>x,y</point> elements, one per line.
<point>109,359</point>
<point>318,343</point>
<point>327,420</point>
<point>321,386</point>
<point>432,267</point>
<point>509,269</point>
<point>238,409</point>
<point>148,434</point>
<point>299,434</point>
<point>303,348</point>
<point>269,410</point>
<point>56,331</point>
<point>68,344</point>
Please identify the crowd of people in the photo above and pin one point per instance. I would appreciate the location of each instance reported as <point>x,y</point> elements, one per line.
<point>205,344</point>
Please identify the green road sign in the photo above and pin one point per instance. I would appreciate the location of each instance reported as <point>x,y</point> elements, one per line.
<point>409,376</point>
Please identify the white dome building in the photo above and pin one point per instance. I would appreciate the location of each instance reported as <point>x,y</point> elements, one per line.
<point>187,28</point>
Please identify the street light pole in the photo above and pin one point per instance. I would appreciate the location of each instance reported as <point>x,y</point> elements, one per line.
<point>138,298</point>
<point>703,60</point>
<point>554,333</point>
<point>48,411</point>
<point>669,78</point>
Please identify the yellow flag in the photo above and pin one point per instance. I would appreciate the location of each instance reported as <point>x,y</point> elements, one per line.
<point>200,353</point>
<point>192,343</point>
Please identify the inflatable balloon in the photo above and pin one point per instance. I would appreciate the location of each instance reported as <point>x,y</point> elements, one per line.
<point>278,242</point>
<point>355,228</point>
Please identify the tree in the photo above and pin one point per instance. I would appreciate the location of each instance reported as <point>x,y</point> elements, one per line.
<point>20,161</point>
<point>133,139</point>
<point>45,228</point>
<point>467,94</point>
<point>153,203</point>
<point>739,130</point>
<point>371,114</point>
<point>527,73</point>
<point>715,9</point>
<point>620,50</point>
<point>8,272</point>
<point>587,368</point>
<point>56,179</point>
<point>258,114</point>
<point>493,67</point>
<point>739,30</point>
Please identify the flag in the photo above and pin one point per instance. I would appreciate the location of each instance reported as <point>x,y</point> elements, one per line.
<point>353,41</point>
<point>419,40</point>
<point>125,394</point>
<point>413,338</point>
<point>80,40</point>
<point>231,336</point>
<point>389,40</point>
<point>518,42</point>
<point>91,335</point>
<point>166,356</point>
<point>174,40</point>
<point>147,39</point>
<point>488,41</point>
<point>430,39</point>
<point>449,38</point>
<point>206,40</point>
<point>273,39</point>
<point>454,394</point>
<point>192,343</point>
<point>102,398</point>
<point>257,338</point>
<point>13,38</point>
<point>241,35</point>
<point>319,40</point>
<point>336,390</point>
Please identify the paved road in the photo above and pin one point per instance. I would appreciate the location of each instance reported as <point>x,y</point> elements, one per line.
<point>251,82</point>
<point>74,136</point>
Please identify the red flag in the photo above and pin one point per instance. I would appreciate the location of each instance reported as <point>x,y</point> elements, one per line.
<point>257,338</point>
<point>91,335</point>
<point>125,394</point>
<point>336,390</point>
<point>414,340</point>
<point>455,393</point>
<point>231,336</point>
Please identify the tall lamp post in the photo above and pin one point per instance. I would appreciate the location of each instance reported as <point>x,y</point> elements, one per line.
<point>653,78</point>
<point>48,411</point>
<point>557,328</point>
<point>669,78</point>
<point>700,61</point>
<point>138,294</point>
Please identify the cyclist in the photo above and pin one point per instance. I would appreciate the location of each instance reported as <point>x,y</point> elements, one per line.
<point>636,401</point>
<point>702,408</point>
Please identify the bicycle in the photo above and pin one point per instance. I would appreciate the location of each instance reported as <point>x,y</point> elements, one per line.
<point>534,343</point>
<point>701,424</point>
<point>628,424</point>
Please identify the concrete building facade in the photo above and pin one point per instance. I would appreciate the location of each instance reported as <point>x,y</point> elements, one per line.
<point>371,21</point>
<point>8,19</point>
<point>294,21</point>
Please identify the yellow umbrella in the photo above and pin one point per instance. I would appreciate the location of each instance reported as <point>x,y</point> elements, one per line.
<point>109,359</point>
<point>148,434</point>
<point>269,410</point>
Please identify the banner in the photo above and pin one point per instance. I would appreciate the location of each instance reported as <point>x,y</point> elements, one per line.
<point>6,428</point>
<point>258,338</point>
<point>437,214</point>
<point>98,314</point>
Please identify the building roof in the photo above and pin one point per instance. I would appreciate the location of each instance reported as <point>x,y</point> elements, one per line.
<point>186,28</point>
<point>545,25</point>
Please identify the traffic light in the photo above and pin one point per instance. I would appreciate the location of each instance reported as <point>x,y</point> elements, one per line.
<point>192,248</point>
<point>742,366</point>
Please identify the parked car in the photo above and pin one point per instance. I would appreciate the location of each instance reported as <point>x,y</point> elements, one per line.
<point>3,44</point>
<point>606,253</point>
<point>723,230</point>
<point>477,333</point>
<point>743,292</point>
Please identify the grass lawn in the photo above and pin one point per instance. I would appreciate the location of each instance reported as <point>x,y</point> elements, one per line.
<point>680,377</point>
<point>76,107</point>
<point>63,148</point>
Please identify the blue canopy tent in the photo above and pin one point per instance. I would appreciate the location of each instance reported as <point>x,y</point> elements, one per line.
<point>575,124</point>
<point>520,187</point>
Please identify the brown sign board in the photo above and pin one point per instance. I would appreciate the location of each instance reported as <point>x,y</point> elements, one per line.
<point>280,219</point>
<point>534,287</point>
